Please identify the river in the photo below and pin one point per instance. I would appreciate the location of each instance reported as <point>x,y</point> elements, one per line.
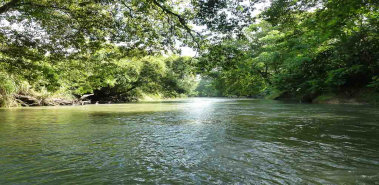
<point>190,141</point>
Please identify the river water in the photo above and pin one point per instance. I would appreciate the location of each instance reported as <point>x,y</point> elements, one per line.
<point>190,141</point>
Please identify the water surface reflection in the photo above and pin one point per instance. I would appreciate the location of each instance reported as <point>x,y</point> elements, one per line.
<point>191,141</point>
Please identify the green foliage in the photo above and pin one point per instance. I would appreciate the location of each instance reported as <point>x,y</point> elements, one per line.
<point>109,72</point>
<point>305,47</point>
<point>108,47</point>
<point>7,89</point>
<point>120,78</point>
<point>206,88</point>
<point>114,48</point>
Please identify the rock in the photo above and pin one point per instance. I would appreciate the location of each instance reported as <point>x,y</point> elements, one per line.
<point>57,101</point>
<point>65,102</point>
<point>48,102</point>
<point>27,100</point>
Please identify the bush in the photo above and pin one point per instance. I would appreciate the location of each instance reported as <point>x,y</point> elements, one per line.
<point>7,90</point>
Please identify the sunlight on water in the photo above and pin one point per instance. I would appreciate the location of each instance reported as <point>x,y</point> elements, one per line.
<point>190,141</point>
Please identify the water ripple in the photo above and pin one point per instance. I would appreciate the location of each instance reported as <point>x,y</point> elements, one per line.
<point>191,141</point>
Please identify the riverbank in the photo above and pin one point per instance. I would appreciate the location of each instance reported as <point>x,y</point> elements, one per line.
<point>357,97</point>
<point>364,96</point>
<point>38,99</point>
<point>27,101</point>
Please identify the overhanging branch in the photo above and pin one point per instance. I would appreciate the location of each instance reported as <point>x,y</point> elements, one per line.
<point>182,21</point>
<point>8,6</point>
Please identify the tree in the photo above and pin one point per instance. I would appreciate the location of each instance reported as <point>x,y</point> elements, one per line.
<point>302,47</point>
<point>46,41</point>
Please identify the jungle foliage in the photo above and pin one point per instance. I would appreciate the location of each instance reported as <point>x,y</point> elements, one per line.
<point>121,49</point>
<point>109,48</point>
<point>301,47</point>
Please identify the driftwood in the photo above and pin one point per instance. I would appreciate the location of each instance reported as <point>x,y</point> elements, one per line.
<point>85,97</point>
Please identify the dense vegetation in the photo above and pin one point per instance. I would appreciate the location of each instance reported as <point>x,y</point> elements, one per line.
<point>304,48</point>
<point>114,49</point>
<point>125,49</point>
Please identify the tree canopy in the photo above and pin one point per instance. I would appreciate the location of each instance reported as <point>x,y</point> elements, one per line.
<point>88,45</point>
<point>117,47</point>
<point>306,46</point>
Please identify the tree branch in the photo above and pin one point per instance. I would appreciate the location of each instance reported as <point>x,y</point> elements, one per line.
<point>129,8</point>
<point>122,92</point>
<point>45,6</point>
<point>8,6</point>
<point>181,20</point>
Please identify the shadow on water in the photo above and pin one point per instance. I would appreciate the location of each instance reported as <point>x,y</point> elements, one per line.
<point>190,141</point>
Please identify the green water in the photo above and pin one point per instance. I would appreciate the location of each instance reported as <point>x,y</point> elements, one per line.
<point>190,141</point>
